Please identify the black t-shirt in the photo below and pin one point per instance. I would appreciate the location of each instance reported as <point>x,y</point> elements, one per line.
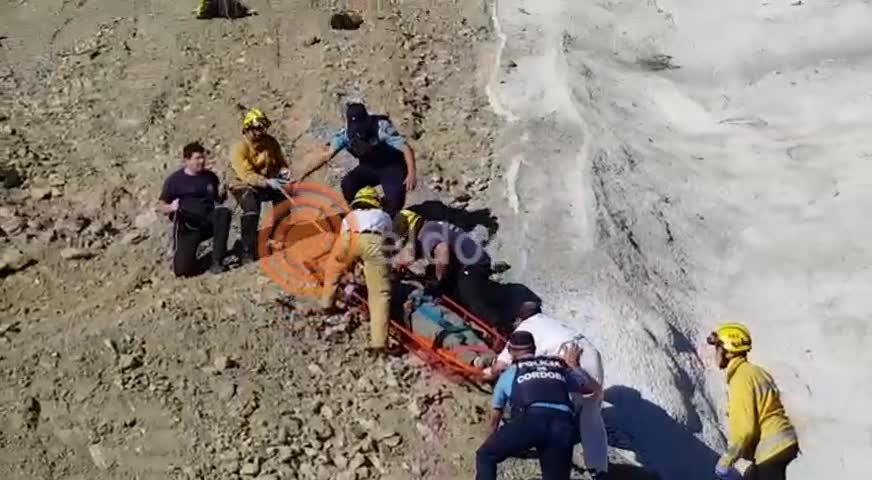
<point>197,194</point>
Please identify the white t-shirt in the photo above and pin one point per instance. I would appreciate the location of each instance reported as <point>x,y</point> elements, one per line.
<point>548,333</point>
<point>370,219</point>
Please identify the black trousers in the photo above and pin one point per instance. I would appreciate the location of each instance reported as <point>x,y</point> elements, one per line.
<point>250,200</point>
<point>773,469</point>
<point>390,177</point>
<point>551,432</point>
<point>472,287</point>
<point>189,236</point>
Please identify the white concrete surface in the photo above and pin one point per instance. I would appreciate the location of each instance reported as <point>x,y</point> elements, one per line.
<point>651,205</point>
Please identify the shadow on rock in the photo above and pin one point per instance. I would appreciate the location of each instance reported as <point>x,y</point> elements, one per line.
<point>660,442</point>
<point>465,219</point>
<point>514,294</point>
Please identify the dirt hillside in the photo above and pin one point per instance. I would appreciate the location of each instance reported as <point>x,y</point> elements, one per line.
<point>110,368</point>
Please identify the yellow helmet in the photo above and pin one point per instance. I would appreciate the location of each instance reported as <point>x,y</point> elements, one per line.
<point>254,119</point>
<point>368,196</point>
<point>733,337</point>
<point>407,221</point>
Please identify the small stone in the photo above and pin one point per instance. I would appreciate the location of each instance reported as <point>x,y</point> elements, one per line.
<point>282,453</point>
<point>13,260</point>
<point>462,197</point>
<point>223,362</point>
<point>98,456</point>
<point>268,476</point>
<point>72,253</point>
<point>226,391</point>
<point>357,461</point>
<point>314,369</point>
<point>327,412</point>
<point>132,238</point>
<point>250,469</point>
<point>56,181</point>
<point>345,21</point>
<point>322,429</point>
<point>129,362</point>
<point>309,41</point>
<point>340,461</point>
<point>10,178</point>
<point>40,193</point>
<point>393,441</point>
<point>110,345</point>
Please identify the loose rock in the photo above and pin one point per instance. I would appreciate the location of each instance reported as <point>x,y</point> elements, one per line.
<point>40,193</point>
<point>71,253</point>
<point>98,456</point>
<point>13,260</point>
<point>129,362</point>
<point>345,21</point>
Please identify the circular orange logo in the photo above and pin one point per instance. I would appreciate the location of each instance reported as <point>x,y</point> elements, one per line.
<point>301,242</point>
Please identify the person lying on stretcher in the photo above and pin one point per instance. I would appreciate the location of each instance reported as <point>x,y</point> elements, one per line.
<point>420,313</point>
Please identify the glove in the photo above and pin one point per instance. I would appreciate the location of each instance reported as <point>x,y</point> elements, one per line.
<point>276,184</point>
<point>727,473</point>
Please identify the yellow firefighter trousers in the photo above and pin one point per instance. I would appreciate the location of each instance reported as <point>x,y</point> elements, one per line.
<point>369,248</point>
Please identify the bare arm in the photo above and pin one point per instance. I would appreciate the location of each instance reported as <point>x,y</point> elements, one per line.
<point>441,258</point>
<point>588,384</point>
<point>317,159</point>
<point>495,418</point>
<point>409,157</point>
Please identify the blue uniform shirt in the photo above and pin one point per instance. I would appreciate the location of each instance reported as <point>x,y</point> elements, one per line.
<point>386,133</point>
<point>503,390</point>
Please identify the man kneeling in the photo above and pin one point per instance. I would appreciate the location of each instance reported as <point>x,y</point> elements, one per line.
<point>538,389</point>
<point>191,199</point>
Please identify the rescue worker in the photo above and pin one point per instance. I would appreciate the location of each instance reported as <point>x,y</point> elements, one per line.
<point>538,389</point>
<point>384,156</point>
<point>461,266</point>
<point>262,172</point>
<point>362,237</point>
<point>552,337</point>
<point>191,197</point>
<point>759,429</point>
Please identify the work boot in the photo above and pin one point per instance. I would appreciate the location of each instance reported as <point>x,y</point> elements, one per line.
<point>248,232</point>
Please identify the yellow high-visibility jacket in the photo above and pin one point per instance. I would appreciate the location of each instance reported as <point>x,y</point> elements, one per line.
<point>758,425</point>
<point>254,163</point>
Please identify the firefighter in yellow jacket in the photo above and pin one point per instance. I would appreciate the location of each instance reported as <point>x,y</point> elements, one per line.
<point>262,173</point>
<point>759,429</point>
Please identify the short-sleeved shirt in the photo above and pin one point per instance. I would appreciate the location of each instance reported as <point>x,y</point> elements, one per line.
<point>548,333</point>
<point>368,220</point>
<point>196,193</point>
<point>503,390</point>
<point>464,249</point>
<point>387,134</point>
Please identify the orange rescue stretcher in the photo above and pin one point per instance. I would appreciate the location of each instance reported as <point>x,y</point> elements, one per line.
<point>445,359</point>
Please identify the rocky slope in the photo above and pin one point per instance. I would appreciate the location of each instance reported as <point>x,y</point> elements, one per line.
<point>111,368</point>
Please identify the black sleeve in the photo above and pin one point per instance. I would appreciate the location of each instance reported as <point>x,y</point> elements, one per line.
<point>167,193</point>
<point>216,183</point>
